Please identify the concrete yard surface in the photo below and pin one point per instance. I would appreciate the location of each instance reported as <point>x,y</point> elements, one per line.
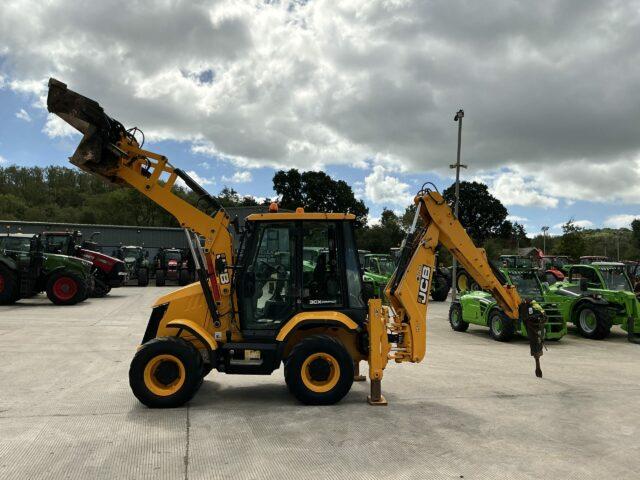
<point>472,409</point>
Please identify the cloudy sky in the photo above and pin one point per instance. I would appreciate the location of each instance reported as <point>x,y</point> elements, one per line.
<point>365,90</point>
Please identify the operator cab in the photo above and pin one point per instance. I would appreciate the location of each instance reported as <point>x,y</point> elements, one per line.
<point>278,277</point>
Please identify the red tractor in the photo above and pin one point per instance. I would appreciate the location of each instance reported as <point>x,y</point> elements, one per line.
<point>108,272</point>
<point>173,264</point>
<point>553,267</point>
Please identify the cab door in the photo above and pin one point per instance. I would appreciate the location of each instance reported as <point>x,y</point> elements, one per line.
<point>269,286</point>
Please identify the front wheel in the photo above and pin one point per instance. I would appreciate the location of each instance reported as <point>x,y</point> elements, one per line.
<point>66,288</point>
<point>501,327</point>
<point>319,370</point>
<point>9,288</point>
<point>184,277</point>
<point>455,318</point>
<point>143,277</point>
<point>166,372</point>
<point>591,323</point>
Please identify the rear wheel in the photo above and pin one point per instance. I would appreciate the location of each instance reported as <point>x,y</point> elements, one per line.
<point>143,277</point>
<point>160,278</point>
<point>591,323</point>
<point>166,372</point>
<point>319,370</point>
<point>66,288</point>
<point>465,283</point>
<point>455,318</point>
<point>9,289</point>
<point>501,327</point>
<point>440,287</point>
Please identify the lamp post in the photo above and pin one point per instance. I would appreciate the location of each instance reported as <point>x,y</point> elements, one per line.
<point>458,118</point>
<point>544,229</point>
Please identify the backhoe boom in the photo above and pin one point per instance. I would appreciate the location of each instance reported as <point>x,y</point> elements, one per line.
<point>408,289</point>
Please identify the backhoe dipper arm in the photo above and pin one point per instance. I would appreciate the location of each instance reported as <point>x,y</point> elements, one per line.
<point>408,289</point>
<point>114,154</point>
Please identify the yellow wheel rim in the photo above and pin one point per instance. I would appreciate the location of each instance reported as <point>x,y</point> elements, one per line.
<point>462,283</point>
<point>320,372</point>
<point>164,375</point>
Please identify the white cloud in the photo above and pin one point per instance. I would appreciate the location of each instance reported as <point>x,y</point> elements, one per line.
<point>371,221</point>
<point>381,188</point>
<point>238,177</point>
<point>55,127</point>
<point>359,83</point>
<point>2,160</point>
<point>517,218</point>
<point>203,181</point>
<point>620,221</point>
<point>23,115</point>
<point>513,188</point>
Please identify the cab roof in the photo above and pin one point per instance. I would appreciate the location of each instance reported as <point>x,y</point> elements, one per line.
<point>20,235</point>
<point>258,217</point>
<point>608,264</point>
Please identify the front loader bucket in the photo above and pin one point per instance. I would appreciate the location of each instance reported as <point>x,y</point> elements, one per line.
<point>96,152</point>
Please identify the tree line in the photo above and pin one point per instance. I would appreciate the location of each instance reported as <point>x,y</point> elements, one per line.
<point>68,195</point>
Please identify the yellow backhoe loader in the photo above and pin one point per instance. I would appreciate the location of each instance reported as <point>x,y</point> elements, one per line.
<point>255,306</point>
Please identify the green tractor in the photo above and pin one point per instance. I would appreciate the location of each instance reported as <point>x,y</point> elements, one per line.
<point>378,269</point>
<point>26,270</point>
<point>604,298</point>
<point>480,308</point>
<point>136,261</point>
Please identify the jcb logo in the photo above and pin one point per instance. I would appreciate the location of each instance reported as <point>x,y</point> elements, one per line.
<point>423,284</point>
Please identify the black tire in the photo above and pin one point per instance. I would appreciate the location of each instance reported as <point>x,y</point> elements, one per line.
<point>143,277</point>
<point>100,289</point>
<point>167,382</point>
<point>501,327</point>
<point>440,287</point>
<point>66,288</point>
<point>9,288</point>
<point>160,278</point>
<point>316,363</point>
<point>591,322</point>
<point>184,277</point>
<point>455,318</point>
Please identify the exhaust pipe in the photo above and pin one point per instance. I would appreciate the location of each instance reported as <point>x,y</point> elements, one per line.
<point>96,152</point>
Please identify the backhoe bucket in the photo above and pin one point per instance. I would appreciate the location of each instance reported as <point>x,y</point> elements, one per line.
<point>96,152</point>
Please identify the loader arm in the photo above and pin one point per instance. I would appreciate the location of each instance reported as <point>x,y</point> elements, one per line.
<point>405,322</point>
<point>114,154</point>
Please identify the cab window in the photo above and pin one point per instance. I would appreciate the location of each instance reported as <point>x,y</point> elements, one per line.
<point>578,273</point>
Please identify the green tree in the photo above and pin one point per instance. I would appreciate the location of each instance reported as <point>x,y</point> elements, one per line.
<point>572,241</point>
<point>317,192</point>
<point>481,213</point>
<point>230,198</point>
<point>381,238</point>
<point>635,232</point>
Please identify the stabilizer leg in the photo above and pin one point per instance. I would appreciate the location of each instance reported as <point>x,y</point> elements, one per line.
<point>376,398</point>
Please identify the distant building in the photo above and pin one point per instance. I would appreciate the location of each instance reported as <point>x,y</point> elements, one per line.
<point>110,237</point>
